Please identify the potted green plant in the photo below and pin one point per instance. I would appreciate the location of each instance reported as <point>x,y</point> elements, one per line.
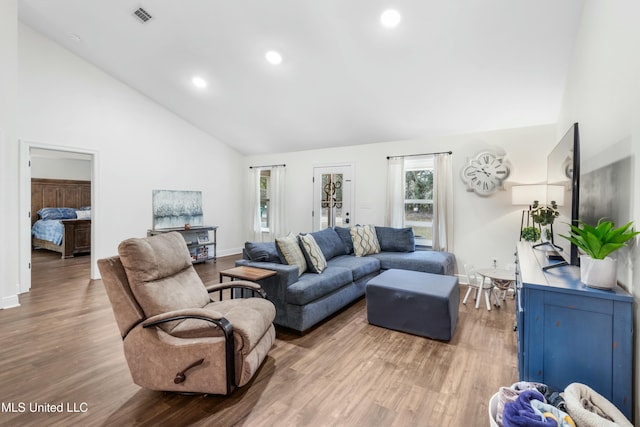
<point>597,269</point>
<point>530,234</point>
<point>544,215</point>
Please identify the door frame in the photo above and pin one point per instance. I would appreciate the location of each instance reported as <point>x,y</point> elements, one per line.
<point>351,194</point>
<point>25,207</point>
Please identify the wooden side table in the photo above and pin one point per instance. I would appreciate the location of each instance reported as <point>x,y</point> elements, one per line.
<point>252,274</point>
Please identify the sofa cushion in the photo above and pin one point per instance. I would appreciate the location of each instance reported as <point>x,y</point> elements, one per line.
<point>262,251</point>
<point>329,242</point>
<point>345,236</point>
<point>359,266</point>
<point>310,287</point>
<point>425,261</point>
<point>316,261</point>
<point>365,241</point>
<point>290,252</point>
<point>396,239</point>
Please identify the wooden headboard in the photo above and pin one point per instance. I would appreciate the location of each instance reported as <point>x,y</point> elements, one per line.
<point>58,193</point>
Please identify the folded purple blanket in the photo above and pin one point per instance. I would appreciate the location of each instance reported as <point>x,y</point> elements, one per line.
<point>520,413</point>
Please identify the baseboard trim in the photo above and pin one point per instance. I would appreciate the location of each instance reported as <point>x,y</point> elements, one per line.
<point>227,252</point>
<point>10,302</point>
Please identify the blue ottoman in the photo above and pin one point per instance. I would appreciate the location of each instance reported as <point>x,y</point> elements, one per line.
<point>419,303</point>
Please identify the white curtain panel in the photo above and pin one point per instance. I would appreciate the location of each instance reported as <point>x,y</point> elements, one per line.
<point>443,203</point>
<point>278,214</point>
<point>254,205</point>
<point>394,213</point>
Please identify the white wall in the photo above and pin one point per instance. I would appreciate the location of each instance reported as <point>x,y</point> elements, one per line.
<point>68,103</point>
<point>484,227</point>
<point>603,95</point>
<point>8,153</point>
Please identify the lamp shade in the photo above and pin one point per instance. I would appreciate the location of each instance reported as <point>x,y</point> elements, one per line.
<point>526,194</point>
<point>545,194</point>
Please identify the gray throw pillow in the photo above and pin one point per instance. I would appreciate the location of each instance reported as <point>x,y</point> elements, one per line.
<point>262,251</point>
<point>396,239</point>
<point>345,236</point>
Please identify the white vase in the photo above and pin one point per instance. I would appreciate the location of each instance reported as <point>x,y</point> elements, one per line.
<point>599,273</point>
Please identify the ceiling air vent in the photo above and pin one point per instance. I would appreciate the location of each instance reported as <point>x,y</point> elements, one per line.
<point>142,15</point>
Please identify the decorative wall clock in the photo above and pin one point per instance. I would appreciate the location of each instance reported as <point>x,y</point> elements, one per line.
<point>485,173</point>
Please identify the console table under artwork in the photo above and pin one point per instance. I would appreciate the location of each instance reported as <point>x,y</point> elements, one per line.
<point>568,332</point>
<point>202,246</point>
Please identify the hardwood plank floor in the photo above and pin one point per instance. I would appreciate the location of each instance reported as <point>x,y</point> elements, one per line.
<point>62,347</point>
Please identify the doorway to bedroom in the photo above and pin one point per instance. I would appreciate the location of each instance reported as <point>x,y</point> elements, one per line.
<point>56,191</point>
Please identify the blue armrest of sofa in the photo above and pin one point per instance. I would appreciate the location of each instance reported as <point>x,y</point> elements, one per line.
<point>288,273</point>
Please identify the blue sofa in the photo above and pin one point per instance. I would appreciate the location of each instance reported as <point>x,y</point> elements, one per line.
<point>303,300</point>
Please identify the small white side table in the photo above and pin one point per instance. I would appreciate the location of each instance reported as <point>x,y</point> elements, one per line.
<point>501,278</point>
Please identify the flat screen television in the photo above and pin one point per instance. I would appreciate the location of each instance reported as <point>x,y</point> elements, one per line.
<point>563,176</point>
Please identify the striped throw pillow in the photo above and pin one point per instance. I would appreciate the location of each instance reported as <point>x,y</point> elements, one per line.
<point>316,262</point>
<point>365,240</point>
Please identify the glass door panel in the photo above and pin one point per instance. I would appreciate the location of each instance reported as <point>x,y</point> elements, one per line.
<point>332,197</point>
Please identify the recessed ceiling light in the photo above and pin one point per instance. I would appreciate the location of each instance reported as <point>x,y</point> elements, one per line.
<point>273,57</point>
<point>199,82</point>
<point>390,18</point>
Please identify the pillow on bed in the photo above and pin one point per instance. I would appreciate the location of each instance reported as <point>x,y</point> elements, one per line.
<point>57,213</point>
<point>83,214</point>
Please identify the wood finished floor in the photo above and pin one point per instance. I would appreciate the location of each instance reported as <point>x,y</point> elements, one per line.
<point>62,346</point>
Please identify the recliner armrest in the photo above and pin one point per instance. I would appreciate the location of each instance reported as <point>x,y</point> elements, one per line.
<point>187,313</point>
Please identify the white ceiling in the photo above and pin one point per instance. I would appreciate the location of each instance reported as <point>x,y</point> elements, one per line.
<point>450,67</point>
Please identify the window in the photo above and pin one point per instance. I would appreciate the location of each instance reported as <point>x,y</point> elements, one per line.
<point>265,194</point>
<point>418,198</point>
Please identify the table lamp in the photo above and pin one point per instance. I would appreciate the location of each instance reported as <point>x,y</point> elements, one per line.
<point>524,195</point>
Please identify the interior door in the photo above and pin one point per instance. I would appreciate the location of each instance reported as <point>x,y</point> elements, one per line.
<point>332,196</point>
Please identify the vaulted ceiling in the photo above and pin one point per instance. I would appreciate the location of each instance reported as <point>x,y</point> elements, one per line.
<point>448,67</point>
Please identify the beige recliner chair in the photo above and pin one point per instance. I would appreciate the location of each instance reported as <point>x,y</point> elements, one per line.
<point>175,337</point>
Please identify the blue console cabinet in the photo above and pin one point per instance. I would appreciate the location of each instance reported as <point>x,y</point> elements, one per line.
<point>568,332</point>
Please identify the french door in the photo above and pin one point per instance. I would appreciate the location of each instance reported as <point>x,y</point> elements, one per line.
<point>332,196</point>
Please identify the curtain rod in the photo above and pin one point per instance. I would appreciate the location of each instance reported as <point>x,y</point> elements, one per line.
<point>267,166</point>
<point>423,154</point>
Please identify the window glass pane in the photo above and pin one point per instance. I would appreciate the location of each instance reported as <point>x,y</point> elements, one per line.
<point>423,234</point>
<point>418,207</point>
<point>331,206</point>
<point>419,184</point>
<point>421,212</point>
<point>265,190</point>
